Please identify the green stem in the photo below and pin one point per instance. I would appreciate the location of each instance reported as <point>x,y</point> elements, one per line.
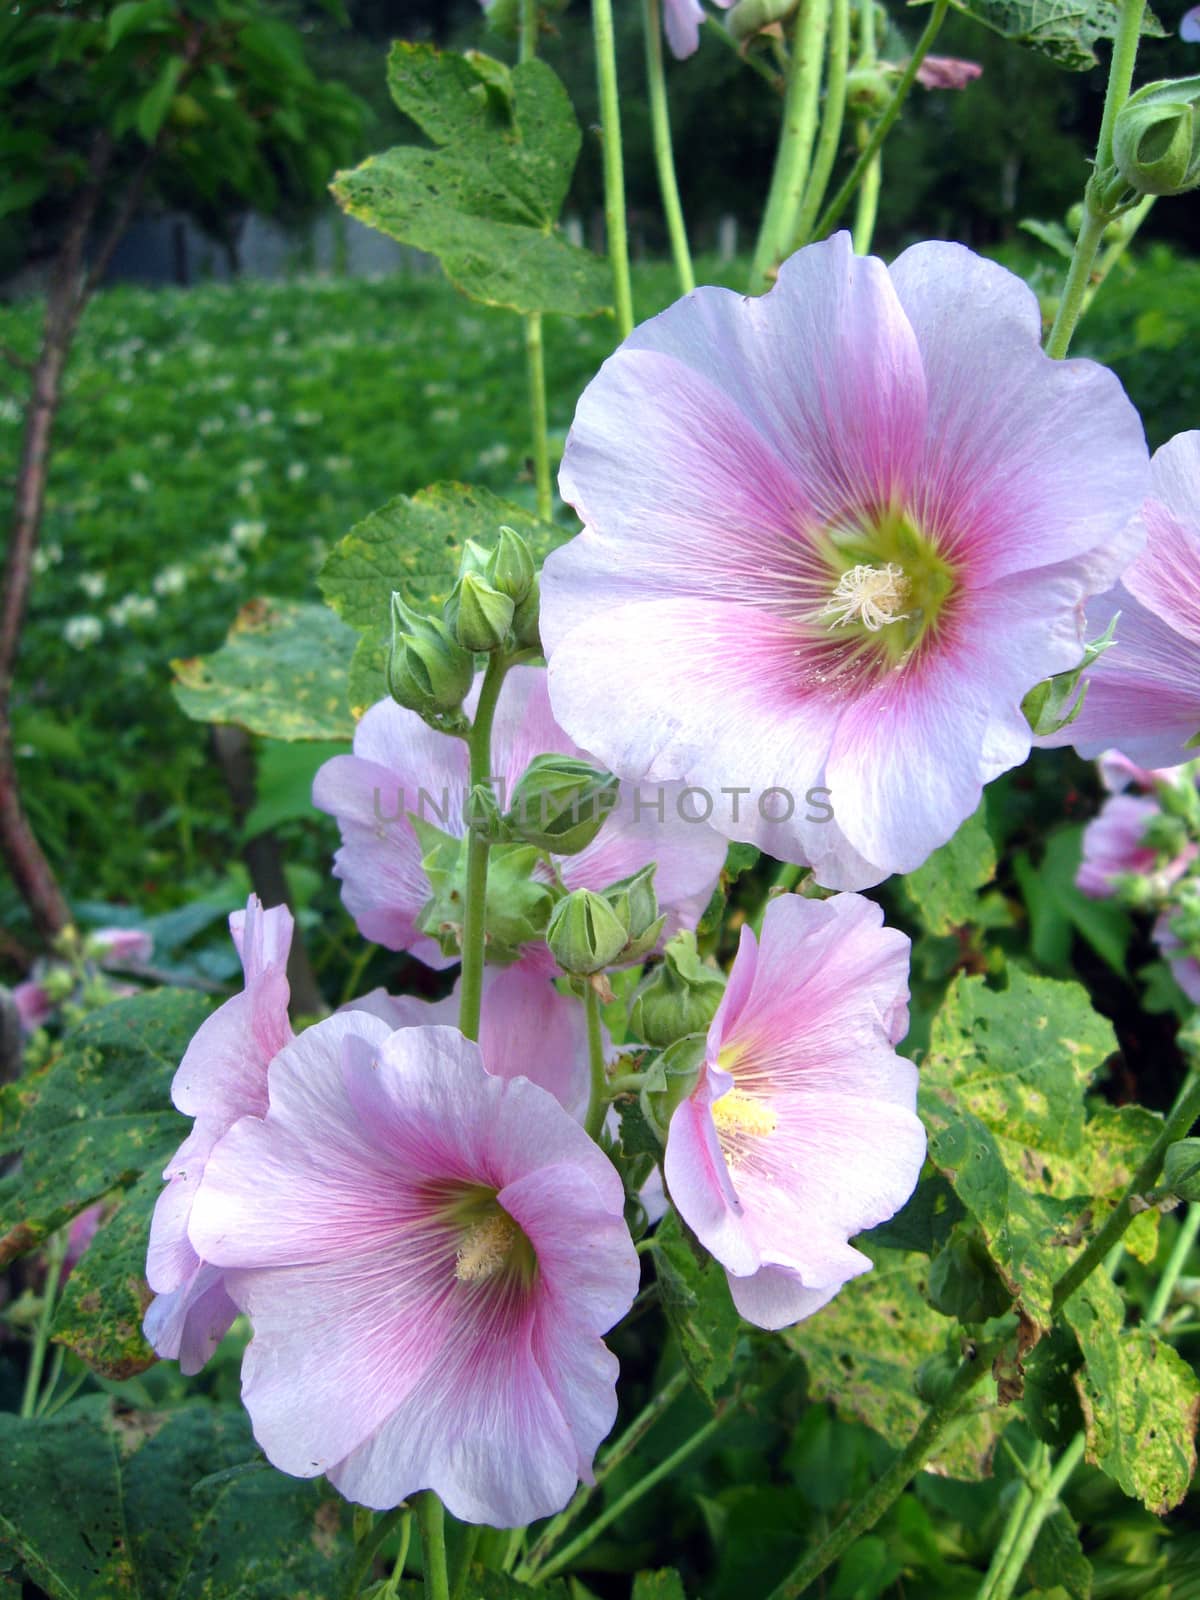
<point>624,1083</point>
<point>56,1252</point>
<point>1095,218</point>
<point>893,1482</point>
<point>784,881</point>
<point>1023,1498</point>
<point>530,28</point>
<point>462,1569</point>
<point>832,118</point>
<point>1130,223</point>
<point>479,745</point>
<point>535,362</point>
<point>795,144</point>
<point>392,1587</point>
<point>1043,1501</point>
<point>598,1095</point>
<point>368,1548</point>
<point>1179,1120</point>
<point>631,1496</point>
<point>614,171</point>
<point>616,1453</point>
<point>884,126</point>
<point>1176,1261</point>
<point>866,206</point>
<point>664,155</point>
<point>431,1520</point>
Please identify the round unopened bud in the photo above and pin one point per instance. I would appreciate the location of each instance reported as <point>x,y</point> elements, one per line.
<point>962,1281</point>
<point>427,670</point>
<point>673,1077</point>
<point>526,617</point>
<point>756,16</point>
<point>585,933</point>
<point>679,997</point>
<point>1181,1169</point>
<point>560,803</point>
<point>482,815</point>
<point>637,905</point>
<point>484,614</point>
<point>1166,835</point>
<point>511,568</point>
<point>868,91</point>
<point>1156,142</point>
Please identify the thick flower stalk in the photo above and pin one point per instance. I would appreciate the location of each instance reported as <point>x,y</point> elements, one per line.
<point>223,1076</point>
<point>1143,694</point>
<point>428,1256</point>
<point>802,1128</point>
<point>832,537</point>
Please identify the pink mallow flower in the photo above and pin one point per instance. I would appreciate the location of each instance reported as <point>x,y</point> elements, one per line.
<point>428,1256</point>
<point>1185,969</point>
<point>34,1005</point>
<point>223,1076</point>
<point>401,766</point>
<point>682,21</point>
<point>1143,694</point>
<point>802,1129</point>
<point>947,72</point>
<point>118,947</point>
<point>833,536</point>
<point>1114,847</point>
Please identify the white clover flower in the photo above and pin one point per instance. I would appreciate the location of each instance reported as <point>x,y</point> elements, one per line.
<point>47,556</point>
<point>243,536</point>
<point>171,580</point>
<point>140,482</point>
<point>296,471</point>
<point>93,584</point>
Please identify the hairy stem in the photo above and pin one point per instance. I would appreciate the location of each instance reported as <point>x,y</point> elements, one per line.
<point>55,1255</point>
<point>664,155</point>
<point>614,170</point>
<point>431,1520</point>
<point>832,118</point>
<point>479,745</point>
<point>795,144</point>
<point>598,1096</point>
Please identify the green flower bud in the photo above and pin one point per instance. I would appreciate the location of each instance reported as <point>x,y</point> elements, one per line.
<point>1166,835</point>
<point>1056,702</point>
<point>484,615</point>
<point>755,16</point>
<point>561,803</point>
<point>525,619</point>
<point>1181,1169</point>
<point>868,90</point>
<point>679,997</point>
<point>427,671</point>
<point>511,568</point>
<point>671,1080</point>
<point>637,905</point>
<point>483,816</point>
<point>518,904</point>
<point>1156,141</point>
<point>586,934</point>
<point>935,1376</point>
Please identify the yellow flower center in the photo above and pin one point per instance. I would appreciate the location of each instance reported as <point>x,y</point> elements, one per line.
<point>738,1112</point>
<point>485,1248</point>
<point>870,595</point>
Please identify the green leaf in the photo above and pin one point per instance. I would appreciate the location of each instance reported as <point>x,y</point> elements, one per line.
<point>665,1584</point>
<point>1064,30</point>
<point>97,1117</point>
<point>156,101</point>
<point>864,1348</point>
<point>944,889</point>
<point>1002,1094</point>
<point>284,782</point>
<point>1140,1399</point>
<point>486,199</point>
<point>697,1302</point>
<point>141,15</point>
<point>100,1313</point>
<point>1057,909</point>
<point>282,672</point>
<point>1057,1557</point>
<point>413,545</point>
<point>99,1504</point>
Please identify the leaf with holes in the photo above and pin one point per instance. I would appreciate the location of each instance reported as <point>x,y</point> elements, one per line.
<point>413,545</point>
<point>100,1504</point>
<point>486,198</point>
<point>944,890</point>
<point>282,672</point>
<point>97,1117</point>
<point>696,1299</point>
<point>1064,30</point>
<point>1140,1399</point>
<point>863,1349</point>
<point>1002,1095</point>
<point>100,1313</point>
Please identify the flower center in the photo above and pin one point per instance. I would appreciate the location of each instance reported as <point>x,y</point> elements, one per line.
<point>738,1112</point>
<point>486,1248</point>
<point>870,595</point>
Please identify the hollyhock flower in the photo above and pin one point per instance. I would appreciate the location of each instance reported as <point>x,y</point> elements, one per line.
<point>120,946</point>
<point>801,1130</point>
<point>1185,969</point>
<point>223,1076</point>
<point>947,72</point>
<point>401,766</point>
<point>1114,846</point>
<point>833,536</point>
<point>526,1029</point>
<point>1189,27</point>
<point>1143,693</point>
<point>1117,772</point>
<point>428,1255</point>
<point>682,20</point>
<point>34,1005</point>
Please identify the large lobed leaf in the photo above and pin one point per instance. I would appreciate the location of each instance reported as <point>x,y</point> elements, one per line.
<point>101,1504</point>
<point>412,545</point>
<point>1002,1094</point>
<point>696,1299</point>
<point>282,672</point>
<point>1064,30</point>
<point>945,889</point>
<point>485,199</point>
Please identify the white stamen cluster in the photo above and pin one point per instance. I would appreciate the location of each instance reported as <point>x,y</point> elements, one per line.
<point>739,1112</point>
<point>870,595</point>
<point>484,1249</point>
